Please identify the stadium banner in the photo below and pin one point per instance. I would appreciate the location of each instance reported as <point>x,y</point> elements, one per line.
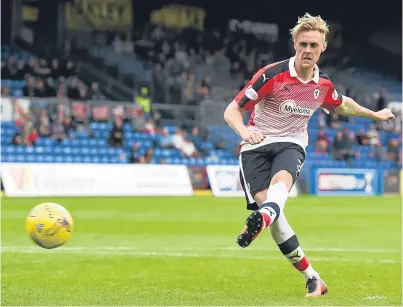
<point>53,179</point>
<point>198,177</point>
<point>179,17</point>
<point>14,109</point>
<point>262,30</point>
<point>6,109</point>
<point>89,15</point>
<point>346,182</point>
<point>224,181</point>
<point>391,182</point>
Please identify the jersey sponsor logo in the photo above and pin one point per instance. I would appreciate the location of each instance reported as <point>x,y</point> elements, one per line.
<point>251,93</point>
<point>335,95</point>
<point>316,93</point>
<point>290,107</point>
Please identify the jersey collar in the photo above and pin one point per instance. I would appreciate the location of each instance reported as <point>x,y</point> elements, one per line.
<point>293,72</point>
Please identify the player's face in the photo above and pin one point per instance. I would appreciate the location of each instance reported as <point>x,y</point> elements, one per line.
<point>308,46</point>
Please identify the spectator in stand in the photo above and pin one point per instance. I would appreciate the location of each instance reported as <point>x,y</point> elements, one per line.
<point>128,46</point>
<point>117,44</point>
<point>19,73</point>
<point>83,94</point>
<point>4,91</point>
<point>322,120</point>
<point>188,149</point>
<point>205,87</point>
<point>134,153</point>
<point>334,120</point>
<point>148,156</point>
<point>58,130</point>
<point>393,151</point>
<point>5,71</point>
<point>178,138</point>
<point>40,90</point>
<point>373,135</point>
<point>398,123</point>
<point>196,139</point>
<point>343,146</point>
<point>166,140</point>
<point>29,88</point>
<point>116,135</point>
<point>62,90</point>
<point>73,91</point>
<point>381,103</point>
<point>44,127</point>
<point>32,137</point>
<point>149,127</point>
<point>17,140</point>
<point>156,119</point>
<point>322,142</point>
<point>69,70</point>
<point>139,121</point>
<point>70,125</point>
<point>378,152</point>
<point>362,138</point>
<point>94,93</point>
<point>56,71</point>
<point>50,88</point>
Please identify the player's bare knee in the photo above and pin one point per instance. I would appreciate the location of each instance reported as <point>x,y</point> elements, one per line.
<point>284,177</point>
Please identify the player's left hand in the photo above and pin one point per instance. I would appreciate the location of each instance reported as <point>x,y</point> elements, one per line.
<point>385,114</point>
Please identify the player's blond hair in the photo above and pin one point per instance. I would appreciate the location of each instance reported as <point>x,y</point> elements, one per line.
<point>310,23</point>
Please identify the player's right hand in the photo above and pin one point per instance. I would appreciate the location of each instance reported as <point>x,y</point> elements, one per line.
<point>253,137</point>
<point>383,115</point>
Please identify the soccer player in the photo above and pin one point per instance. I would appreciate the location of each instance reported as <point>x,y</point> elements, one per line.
<point>284,96</point>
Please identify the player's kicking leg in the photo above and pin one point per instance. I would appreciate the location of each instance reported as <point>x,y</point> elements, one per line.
<point>286,167</point>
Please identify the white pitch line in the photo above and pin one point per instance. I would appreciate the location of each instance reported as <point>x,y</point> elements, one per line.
<point>116,251</point>
<point>328,249</point>
<point>228,248</point>
<point>377,297</point>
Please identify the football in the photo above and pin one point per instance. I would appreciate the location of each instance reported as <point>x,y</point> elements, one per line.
<point>49,225</point>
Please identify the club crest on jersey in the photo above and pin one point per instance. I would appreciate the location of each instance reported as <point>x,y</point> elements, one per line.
<point>316,93</point>
<point>251,93</point>
<point>290,107</point>
<point>335,95</point>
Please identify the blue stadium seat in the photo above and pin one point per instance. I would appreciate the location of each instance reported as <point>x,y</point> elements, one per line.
<point>49,158</point>
<point>81,134</point>
<point>11,158</point>
<point>80,142</point>
<point>68,159</point>
<point>59,159</point>
<point>104,159</point>
<point>39,158</point>
<point>20,158</point>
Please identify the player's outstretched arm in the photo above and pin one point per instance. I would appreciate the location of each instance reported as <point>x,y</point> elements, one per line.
<point>233,117</point>
<point>351,108</point>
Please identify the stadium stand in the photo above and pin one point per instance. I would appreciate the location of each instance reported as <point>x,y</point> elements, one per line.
<point>74,131</point>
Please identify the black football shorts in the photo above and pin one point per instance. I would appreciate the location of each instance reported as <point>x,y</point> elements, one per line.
<point>258,167</point>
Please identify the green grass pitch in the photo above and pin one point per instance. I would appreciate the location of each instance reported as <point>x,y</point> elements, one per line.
<point>182,251</point>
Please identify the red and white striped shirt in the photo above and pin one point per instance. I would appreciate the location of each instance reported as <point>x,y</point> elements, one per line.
<point>283,103</point>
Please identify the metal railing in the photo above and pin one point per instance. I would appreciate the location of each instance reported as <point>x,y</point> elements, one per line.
<point>84,111</point>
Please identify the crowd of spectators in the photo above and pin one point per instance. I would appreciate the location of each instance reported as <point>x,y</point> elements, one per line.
<point>48,122</point>
<point>48,78</point>
<point>344,144</point>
